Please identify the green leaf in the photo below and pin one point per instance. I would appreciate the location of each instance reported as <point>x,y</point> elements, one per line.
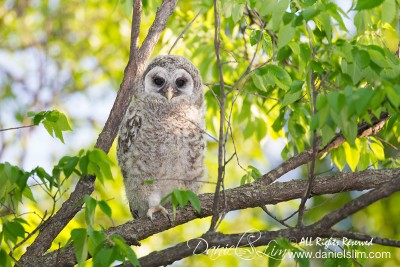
<point>63,123</point>
<point>104,257</point>
<point>5,259</point>
<point>28,194</point>
<point>52,115</point>
<point>44,176</point>
<point>255,37</point>
<point>377,149</point>
<point>325,19</point>
<point>367,4</point>
<point>179,197</point>
<point>389,10</point>
<point>339,157</point>
<point>194,200</point>
<point>278,75</point>
<point>54,122</point>
<point>291,98</point>
<point>277,13</point>
<point>364,95</point>
<point>96,240</point>
<point>126,250</point>
<point>310,12</point>
<point>274,253</point>
<point>352,156</point>
<point>285,35</point>
<point>237,12</point>
<point>79,236</point>
<point>362,59</point>
<point>12,230</point>
<point>69,165</point>
<point>100,162</point>
<point>327,133</point>
<point>349,130</point>
<point>164,199</point>
<point>37,117</point>
<point>90,208</point>
<point>105,208</point>
<point>83,164</point>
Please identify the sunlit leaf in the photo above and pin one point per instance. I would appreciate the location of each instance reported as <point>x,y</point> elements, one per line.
<point>367,4</point>
<point>79,236</point>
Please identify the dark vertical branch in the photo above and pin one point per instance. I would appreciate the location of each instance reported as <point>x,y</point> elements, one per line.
<point>221,141</point>
<point>314,153</point>
<point>136,19</point>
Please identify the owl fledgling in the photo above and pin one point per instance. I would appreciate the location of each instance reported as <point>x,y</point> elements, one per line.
<point>161,136</point>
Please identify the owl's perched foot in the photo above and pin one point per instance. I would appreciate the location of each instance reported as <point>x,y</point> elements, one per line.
<point>157,209</point>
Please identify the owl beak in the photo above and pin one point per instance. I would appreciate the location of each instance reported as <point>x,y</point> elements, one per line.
<point>169,94</point>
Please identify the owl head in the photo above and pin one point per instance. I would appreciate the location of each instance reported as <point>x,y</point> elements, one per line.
<point>171,80</point>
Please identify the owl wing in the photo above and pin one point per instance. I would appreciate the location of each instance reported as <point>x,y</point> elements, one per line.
<point>129,131</point>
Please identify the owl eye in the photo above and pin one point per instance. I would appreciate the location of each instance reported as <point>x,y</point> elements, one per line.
<point>180,82</point>
<point>159,81</point>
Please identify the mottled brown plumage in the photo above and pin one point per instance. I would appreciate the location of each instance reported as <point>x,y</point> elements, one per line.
<point>161,136</point>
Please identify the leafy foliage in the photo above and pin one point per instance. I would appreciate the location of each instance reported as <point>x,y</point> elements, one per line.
<point>54,121</point>
<point>180,198</point>
<point>104,249</point>
<point>276,54</point>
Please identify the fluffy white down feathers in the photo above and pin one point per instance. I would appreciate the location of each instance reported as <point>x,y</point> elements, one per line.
<point>161,136</point>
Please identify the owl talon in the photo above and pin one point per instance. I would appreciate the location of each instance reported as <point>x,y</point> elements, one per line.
<point>158,208</point>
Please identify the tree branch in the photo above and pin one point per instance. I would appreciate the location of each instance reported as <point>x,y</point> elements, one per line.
<point>16,128</point>
<point>364,129</point>
<point>53,226</point>
<point>314,150</point>
<point>184,31</point>
<point>246,196</point>
<point>221,137</point>
<point>211,241</point>
<point>160,22</point>
<point>359,203</point>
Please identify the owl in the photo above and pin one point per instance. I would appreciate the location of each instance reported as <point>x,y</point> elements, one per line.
<point>161,145</point>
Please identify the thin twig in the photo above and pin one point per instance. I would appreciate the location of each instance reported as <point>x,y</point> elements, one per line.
<point>314,152</point>
<point>16,128</point>
<point>265,209</point>
<point>209,85</point>
<point>213,93</point>
<point>230,131</point>
<point>184,31</point>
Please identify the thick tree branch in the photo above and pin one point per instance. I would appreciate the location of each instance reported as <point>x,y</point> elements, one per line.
<point>359,203</point>
<point>135,30</point>
<point>199,245</point>
<point>364,129</point>
<point>246,196</point>
<point>53,226</point>
<point>318,229</point>
<point>160,22</point>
